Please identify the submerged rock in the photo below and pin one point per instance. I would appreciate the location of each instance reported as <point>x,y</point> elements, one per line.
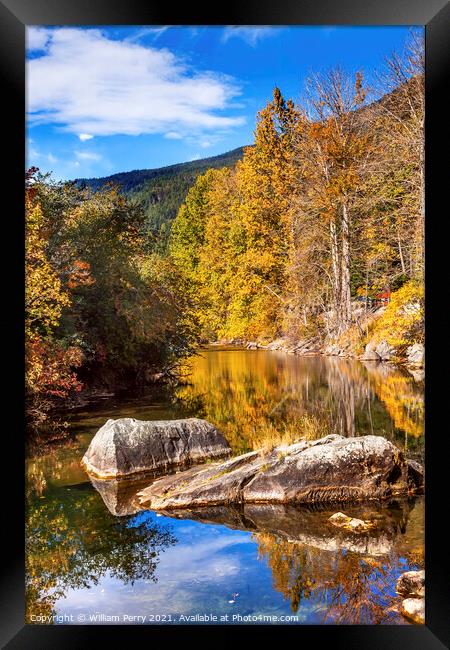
<point>341,520</point>
<point>120,495</point>
<point>332,469</point>
<point>128,446</point>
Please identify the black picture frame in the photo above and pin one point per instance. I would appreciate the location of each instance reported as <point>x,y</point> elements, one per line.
<point>435,16</point>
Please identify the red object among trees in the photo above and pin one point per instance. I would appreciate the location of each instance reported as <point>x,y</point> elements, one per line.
<point>383,297</point>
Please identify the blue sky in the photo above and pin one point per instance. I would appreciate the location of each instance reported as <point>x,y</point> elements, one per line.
<point>106,99</point>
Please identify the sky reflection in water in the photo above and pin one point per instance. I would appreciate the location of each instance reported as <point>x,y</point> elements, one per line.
<point>83,560</point>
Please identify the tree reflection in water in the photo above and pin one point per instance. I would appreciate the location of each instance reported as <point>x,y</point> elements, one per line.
<point>348,578</point>
<point>257,396</point>
<point>350,587</point>
<point>347,587</point>
<point>73,541</point>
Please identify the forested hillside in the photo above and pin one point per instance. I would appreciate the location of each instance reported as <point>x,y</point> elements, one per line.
<point>161,191</point>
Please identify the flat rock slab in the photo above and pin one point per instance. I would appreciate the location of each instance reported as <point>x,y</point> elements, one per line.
<point>128,446</point>
<point>332,469</point>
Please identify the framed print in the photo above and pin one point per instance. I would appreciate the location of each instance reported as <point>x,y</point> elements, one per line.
<point>234,261</point>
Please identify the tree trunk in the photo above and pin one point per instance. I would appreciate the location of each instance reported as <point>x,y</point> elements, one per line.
<point>345,281</point>
<point>336,271</point>
<point>400,252</point>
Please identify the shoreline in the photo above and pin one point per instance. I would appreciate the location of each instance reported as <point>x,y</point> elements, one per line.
<point>307,348</point>
<point>310,348</point>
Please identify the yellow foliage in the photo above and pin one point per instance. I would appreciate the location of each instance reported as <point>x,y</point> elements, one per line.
<point>402,322</point>
<point>44,296</point>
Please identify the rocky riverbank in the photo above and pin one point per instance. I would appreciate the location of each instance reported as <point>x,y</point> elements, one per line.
<point>413,357</point>
<point>411,587</point>
<point>391,334</point>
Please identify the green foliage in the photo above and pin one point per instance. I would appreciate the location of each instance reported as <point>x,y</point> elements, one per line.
<point>161,191</point>
<point>101,298</point>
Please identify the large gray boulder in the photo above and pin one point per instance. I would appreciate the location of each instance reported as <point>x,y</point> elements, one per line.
<point>385,351</point>
<point>370,353</point>
<point>127,446</point>
<point>415,355</point>
<point>332,469</point>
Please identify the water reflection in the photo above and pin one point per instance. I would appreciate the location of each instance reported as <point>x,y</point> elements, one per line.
<point>349,588</point>
<point>349,577</point>
<point>81,558</point>
<point>120,496</point>
<point>256,395</point>
<point>73,541</point>
<point>311,526</point>
<point>94,548</point>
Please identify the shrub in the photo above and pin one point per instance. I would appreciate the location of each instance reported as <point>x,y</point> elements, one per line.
<point>402,323</point>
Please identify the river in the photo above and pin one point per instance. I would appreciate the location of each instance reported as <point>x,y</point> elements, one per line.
<point>94,557</point>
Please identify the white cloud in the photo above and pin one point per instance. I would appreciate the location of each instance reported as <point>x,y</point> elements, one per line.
<point>85,136</point>
<point>153,32</point>
<point>249,34</point>
<point>33,152</point>
<point>95,86</point>
<point>36,38</point>
<point>88,155</point>
<point>173,135</point>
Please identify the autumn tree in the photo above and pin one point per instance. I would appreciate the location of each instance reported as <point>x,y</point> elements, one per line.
<point>104,306</point>
<point>231,236</point>
<point>399,178</point>
<point>264,183</point>
<point>50,360</point>
<point>332,152</point>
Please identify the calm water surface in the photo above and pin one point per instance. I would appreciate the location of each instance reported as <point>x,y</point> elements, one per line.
<point>92,554</point>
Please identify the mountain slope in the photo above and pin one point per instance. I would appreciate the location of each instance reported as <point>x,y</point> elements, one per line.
<point>163,190</point>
